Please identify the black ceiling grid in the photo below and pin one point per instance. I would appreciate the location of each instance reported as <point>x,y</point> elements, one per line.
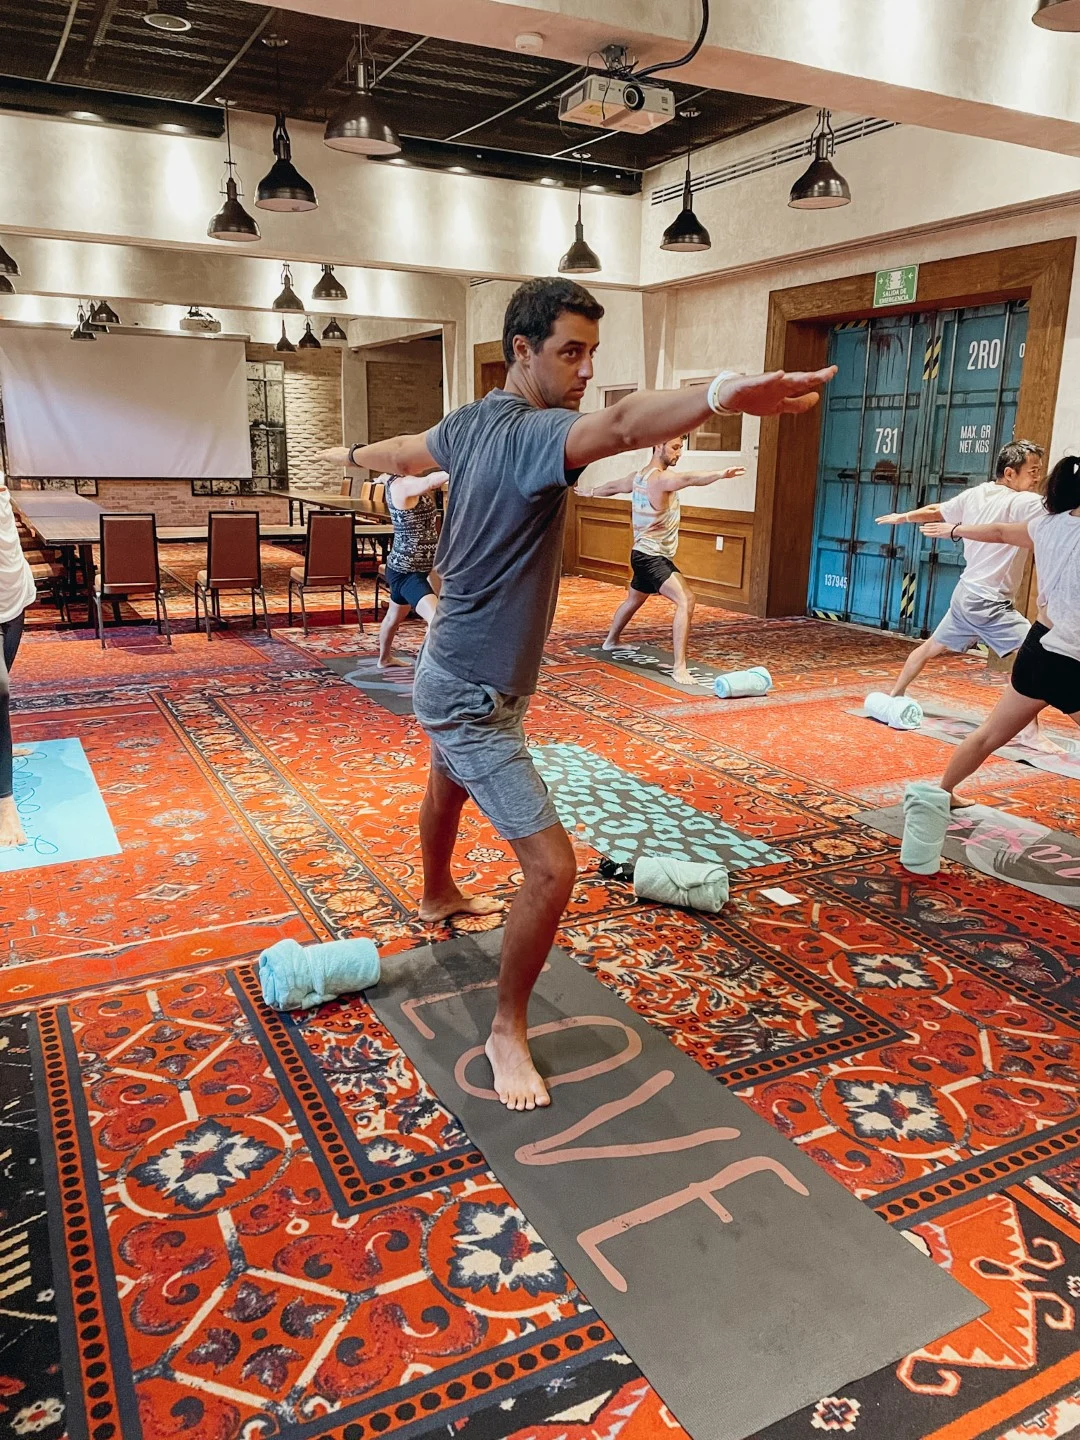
<point>436,91</point>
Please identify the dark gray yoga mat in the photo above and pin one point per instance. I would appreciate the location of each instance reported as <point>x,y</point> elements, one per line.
<point>652,660</point>
<point>743,1280</point>
<point>1026,854</point>
<point>391,688</point>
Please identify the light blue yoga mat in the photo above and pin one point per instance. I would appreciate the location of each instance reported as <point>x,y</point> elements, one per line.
<point>61,808</point>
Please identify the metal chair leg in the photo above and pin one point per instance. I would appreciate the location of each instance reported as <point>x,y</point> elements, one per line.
<point>100,619</point>
<point>165,617</point>
<point>303,610</point>
<point>341,602</point>
<point>266,613</point>
<point>356,602</point>
<point>292,582</point>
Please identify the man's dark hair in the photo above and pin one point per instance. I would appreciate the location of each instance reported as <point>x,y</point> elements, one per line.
<point>535,306</point>
<point>1014,455</point>
<point>1063,485</point>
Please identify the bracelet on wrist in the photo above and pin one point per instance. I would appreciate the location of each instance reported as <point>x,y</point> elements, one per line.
<point>352,451</point>
<point>713,392</point>
<point>952,532</point>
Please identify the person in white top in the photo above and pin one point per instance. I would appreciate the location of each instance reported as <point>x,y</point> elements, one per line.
<point>17,591</point>
<point>655,510</point>
<point>982,604</point>
<point>1046,670</point>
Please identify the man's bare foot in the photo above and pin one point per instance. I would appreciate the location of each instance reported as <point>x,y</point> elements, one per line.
<point>956,803</point>
<point>609,644</point>
<point>11,830</point>
<point>22,750</point>
<point>432,911</point>
<point>517,1081</point>
<point>389,662</point>
<point>682,675</point>
<point>1032,737</point>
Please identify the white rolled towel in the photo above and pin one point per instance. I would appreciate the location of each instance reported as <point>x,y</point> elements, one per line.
<point>897,711</point>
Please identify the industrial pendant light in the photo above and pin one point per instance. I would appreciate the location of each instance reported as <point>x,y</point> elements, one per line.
<point>309,340</point>
<point>82,329</point>
<point>8,265</point>
<point>104,314</point>
<point>580,259</point>
<point>283,188</point>
<point>6,287</point>
<point>288,299</point>
<point>686,232</point>
<point>232,222</point>
<point>92,322</point>
<point>1058,14</point>
<point>334,331</point>
<point>284,343</point>
<point>359,125</point>
<point>821,187</point>
<point>328,286</point>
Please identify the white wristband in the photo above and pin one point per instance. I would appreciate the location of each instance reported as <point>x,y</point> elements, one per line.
<point>714,391</point>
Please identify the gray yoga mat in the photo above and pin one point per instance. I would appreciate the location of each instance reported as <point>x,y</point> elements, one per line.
<point>942,722</point>
<point>742,1279</point>
<point>1026,854</point>
<point>391,688</point>
<point>652,660</point>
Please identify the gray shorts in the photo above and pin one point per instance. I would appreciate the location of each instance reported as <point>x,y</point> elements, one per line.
<point>478,740</point>
<point>971,617</point>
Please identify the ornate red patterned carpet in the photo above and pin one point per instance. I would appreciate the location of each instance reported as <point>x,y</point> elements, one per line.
<point>222,1224</point>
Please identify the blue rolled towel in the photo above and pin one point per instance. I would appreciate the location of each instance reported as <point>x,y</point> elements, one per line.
<point>926,822</point>
<point>297,977</point>
<point>736,683</point>
<point>687,883</point>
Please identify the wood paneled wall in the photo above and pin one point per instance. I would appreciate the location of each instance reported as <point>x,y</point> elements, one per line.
<point>598,546</point>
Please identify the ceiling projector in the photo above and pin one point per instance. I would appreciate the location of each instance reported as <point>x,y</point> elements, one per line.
<point>199,322</point>
<point>608,103</point>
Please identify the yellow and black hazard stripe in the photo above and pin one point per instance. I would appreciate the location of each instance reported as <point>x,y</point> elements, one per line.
<point>851,325</point>
<point>932,359</point>
<point>907,594</point>
<point>825,615</point>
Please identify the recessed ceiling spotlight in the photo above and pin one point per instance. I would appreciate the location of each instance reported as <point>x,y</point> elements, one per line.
<point>530,42</point>
<point>458,170</point>
<point>168,15</point>
<point>84,115</point>
<point>397,160</point>
<point>547,180</point>
<point>597,189</point>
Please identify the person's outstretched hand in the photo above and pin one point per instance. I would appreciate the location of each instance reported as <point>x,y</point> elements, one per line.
<point>936,530</point>
<point>896,518</point>
<point>779,393</point>
<point>336,455</point>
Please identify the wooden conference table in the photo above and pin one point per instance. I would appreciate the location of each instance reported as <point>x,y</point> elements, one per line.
<point>72,524</point>
<point>327,500</point>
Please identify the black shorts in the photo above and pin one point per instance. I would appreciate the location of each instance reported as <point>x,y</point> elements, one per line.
<point>1040,674</point>
<point>407,587</point>
<point>650,572</point>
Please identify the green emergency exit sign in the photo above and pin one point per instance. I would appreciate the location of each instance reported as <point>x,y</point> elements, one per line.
<point>896,287</point>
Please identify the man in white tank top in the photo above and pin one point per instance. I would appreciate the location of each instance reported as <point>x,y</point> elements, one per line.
<point>655,509</point>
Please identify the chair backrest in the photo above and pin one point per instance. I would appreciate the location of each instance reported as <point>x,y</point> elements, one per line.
<point>331,547</point>
<point>129,553</point>
<point>367,489</point>
<point>347,485</point>
<point>378,498</point>
<point>232,548</point>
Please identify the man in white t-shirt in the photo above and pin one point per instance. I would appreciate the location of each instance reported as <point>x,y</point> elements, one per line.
<point>982,607</point>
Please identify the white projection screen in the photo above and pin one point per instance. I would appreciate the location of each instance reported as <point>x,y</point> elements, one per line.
<point>129,406</point>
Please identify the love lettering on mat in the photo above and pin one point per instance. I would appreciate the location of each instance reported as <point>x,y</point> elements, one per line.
<point>742,1280</point>
<point>1028,855</point>
<point>654,661</point>
<point>390,687</point>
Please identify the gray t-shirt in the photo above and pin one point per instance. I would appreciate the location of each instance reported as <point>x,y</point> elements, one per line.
<point>500,553</point>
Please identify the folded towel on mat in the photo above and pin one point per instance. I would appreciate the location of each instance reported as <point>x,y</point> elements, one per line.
<point>296,977</point>
<point>687,883</point>
<point>736,683</point>
<point>926,821</point>
<point>896,711</point>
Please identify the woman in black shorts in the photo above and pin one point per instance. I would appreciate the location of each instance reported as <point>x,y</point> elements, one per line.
<point>1046,671</point>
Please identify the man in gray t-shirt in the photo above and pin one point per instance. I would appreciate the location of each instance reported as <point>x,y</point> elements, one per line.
<point>512,458</point>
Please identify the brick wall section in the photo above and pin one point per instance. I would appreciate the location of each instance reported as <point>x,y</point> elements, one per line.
<point>173,503</point>
<point>404,397</point>
<point>312,411</point>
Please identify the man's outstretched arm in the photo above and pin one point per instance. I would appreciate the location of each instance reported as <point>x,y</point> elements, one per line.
<point>672,481</point>
<point>649,417</point>
<point>622,486</point>
<point>402,455</point>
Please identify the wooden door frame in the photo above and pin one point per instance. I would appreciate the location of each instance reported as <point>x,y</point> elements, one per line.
<point>797,339</point>
<point>483,355</point>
